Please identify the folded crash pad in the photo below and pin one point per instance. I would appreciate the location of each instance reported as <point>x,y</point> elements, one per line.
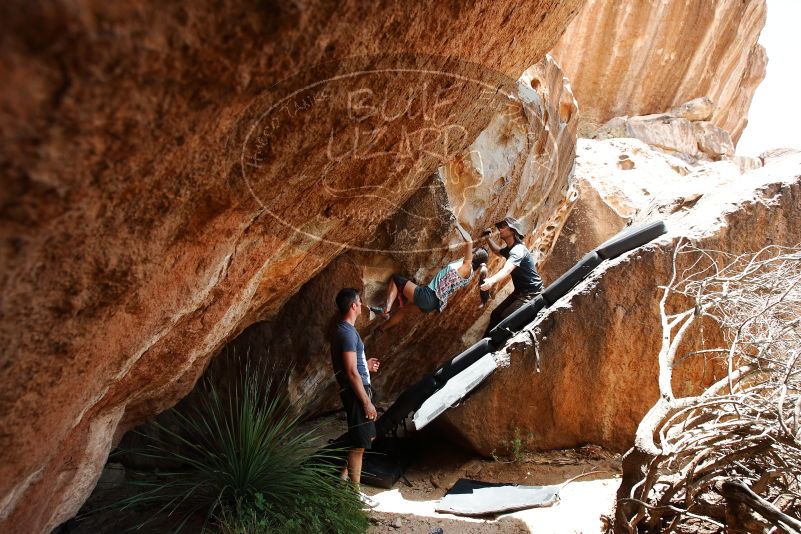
<point>475,498</point>
<point>463,360</point>
<point>454,390</point>
<point>387,459</point>
<point>631,238</point>
<point>382,465</point>
<point>568,281</point>
<point>407,402</point>
<point>380,470</point>
<point>516,321</point>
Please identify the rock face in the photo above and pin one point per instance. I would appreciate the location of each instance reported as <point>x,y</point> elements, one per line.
<point>684,132</point>
<point>520,165</point>
<point>599,344</point>
<point>633,57</point>
<point>171,174</point>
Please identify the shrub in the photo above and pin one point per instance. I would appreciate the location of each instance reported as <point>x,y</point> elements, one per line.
<point>246,467</point>
<point>513,448</point>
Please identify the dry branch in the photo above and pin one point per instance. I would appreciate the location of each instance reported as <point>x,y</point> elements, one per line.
<point>737,445</point>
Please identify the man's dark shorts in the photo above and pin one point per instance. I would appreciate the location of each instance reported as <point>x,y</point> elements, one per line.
<point>424,296</point>
<point>361,430</point>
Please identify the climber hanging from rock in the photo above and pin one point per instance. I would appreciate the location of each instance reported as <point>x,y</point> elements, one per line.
<point>413,298</point>
<point>519,264</point>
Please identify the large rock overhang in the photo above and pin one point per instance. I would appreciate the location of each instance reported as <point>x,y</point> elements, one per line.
<point>132,247</point>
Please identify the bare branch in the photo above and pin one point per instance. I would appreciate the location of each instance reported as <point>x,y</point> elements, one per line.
<point>747,425</point>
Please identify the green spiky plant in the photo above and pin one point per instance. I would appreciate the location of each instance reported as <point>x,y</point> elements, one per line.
<point>246,467</point>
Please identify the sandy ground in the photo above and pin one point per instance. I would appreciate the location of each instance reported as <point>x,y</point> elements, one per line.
<point>581,507</point>
<point>409,506</point>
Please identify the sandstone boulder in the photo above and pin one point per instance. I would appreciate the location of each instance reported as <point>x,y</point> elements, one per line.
<point>519,164</point>
<point>596,348</point>
<point>615,127</point>
<point>621,181</point>
<point>173,173</point>
<point>777,154</point>
<point>697,109</point>
<point>714,142</point>
<point>677,132</point>
<point>629,57</point>
<point>671,134</point>
<point>747,163</point>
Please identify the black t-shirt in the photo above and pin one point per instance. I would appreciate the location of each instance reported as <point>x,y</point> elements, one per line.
<point>525,277</point>
<point>345,338</point>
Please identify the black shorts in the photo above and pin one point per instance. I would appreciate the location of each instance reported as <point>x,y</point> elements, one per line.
<point>424,296</point>
<point>426,299</point>
<point>361,431</point>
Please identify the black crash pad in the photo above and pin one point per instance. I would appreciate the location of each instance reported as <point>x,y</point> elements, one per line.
<point>380,470</point>
<point>407,402</point>
<point>475,498</point>
<point>630,238</point>
<point>463,360</point>
<point>568,281</point>
<point>516,321</point>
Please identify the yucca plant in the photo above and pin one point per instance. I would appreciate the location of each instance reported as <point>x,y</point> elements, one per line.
<point>246,467</point>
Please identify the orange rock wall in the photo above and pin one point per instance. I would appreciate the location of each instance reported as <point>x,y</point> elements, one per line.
<point>638,57</point>
<point>132,246</point>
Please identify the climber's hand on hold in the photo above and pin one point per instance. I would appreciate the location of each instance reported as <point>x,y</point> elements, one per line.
<point>463,232</point>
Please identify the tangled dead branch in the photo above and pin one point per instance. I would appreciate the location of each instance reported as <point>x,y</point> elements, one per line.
<point>728,458</point>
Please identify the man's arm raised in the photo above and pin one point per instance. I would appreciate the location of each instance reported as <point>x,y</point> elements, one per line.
<point>467,263</point>
<point>490,242</point>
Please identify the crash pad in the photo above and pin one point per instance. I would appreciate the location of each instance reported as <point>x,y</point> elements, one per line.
<point>453,391</point>
<point>380,470</point>
<point>406,402</point>
<point>631,238</point>
<point>475,498</point>
<point>463,360</point>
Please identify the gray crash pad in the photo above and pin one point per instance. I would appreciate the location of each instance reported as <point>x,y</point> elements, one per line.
<point>474,498</point>
<point>453,391</point>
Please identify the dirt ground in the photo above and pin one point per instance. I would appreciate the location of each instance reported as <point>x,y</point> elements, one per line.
<point>409,507</point>
<point>583,502</point>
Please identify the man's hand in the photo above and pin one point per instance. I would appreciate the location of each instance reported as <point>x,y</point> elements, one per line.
<point>369,411</point>
<point>487,235</point>
<point>372,365</point>
<point>487,284</point>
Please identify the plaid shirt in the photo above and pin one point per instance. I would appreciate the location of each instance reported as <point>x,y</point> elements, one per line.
<point>446,281</point>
